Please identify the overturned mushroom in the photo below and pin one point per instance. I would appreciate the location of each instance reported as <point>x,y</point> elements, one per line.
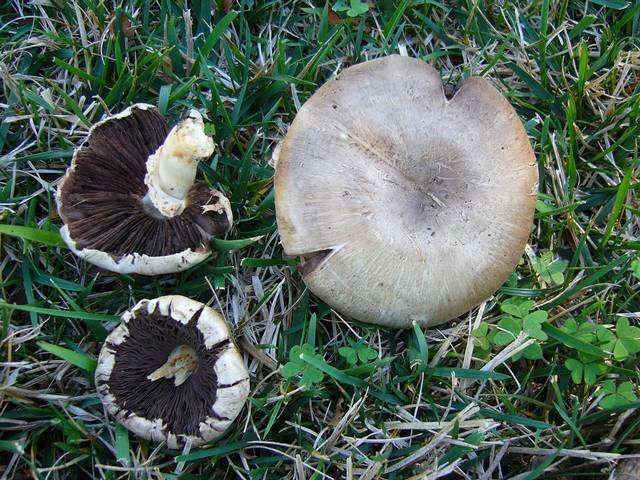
<point>404,205</point>
<point>171,372</point>
<point>128,201</point>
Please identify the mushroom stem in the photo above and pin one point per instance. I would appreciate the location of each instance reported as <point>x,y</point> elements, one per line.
<point>171,170</point>
<point>181,363</point>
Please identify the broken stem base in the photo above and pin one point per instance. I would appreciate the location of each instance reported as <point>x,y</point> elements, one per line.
<point>171,170</point>
<point>182,362</point>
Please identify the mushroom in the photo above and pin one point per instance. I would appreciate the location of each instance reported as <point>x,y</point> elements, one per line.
<point>171,372</point>
<point>128,201</point>
<point>404,205</point>
<point>626,469</point>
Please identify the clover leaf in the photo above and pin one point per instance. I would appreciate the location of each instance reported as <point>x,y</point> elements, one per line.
<point>635,267</point>
<point>517,307</point>
<point>518,318</point>
<point>586,368</point>
<point>296,366</point>
<point>310,376</point>
<point>576,368</point>
<point>606,339</point>
<point>532,352</point>
<point>542,207</point>
<point>357,351</point>
<point>584,332</point>
<point>357,8</point>
<point>550,271</point>
<point>616,396</point>
<point>340,6</point>
<point>354,9</point>
<point>624,343</point>
<point>350,354</point>
<point>628,342</point>
<point>365,354</point>
<point>591,372</point>
<point>481,336</point>
<point>532,325</point>
<point>508,329</point>
<point>291,369</point>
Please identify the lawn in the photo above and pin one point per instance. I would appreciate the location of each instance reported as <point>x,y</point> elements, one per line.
<point>483,397</point>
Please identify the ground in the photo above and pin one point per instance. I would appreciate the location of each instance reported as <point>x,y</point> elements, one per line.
<point>539,381</point>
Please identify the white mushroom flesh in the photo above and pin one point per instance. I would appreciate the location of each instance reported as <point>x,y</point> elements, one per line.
<point>171,171</point>
<point>181,363</point>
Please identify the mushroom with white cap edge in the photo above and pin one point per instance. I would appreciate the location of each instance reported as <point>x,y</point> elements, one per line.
<point>129,201</point>
<point>170,372</point>
<point>405,205</point>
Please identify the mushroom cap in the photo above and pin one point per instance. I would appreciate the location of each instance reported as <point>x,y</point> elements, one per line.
<point>627,469</point>
<point>200,409</point>
<point>100,201</point>
<point>404,205</point>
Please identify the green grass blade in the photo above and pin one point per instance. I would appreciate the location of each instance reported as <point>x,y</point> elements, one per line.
<point>122,444</point>
<point>465,373</point>
<point>618,205</point>
<point>333,372</point>
<point>33,234</point>
<point>589,281</point>
<point>78,359</point>
<point>11,446</point>
<point>95,317</point>
<point>214,36</point>
<point>220,451</point>
<point>537,89</point>
<point>514,419</point>
<point>571,341</point>
<point>229,245</point>
<point>422,346</point>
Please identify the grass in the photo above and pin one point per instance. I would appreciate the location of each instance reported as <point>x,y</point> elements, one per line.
<point>495,394</point>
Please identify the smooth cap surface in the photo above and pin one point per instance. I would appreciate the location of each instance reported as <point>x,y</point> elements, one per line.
<point>404,205</point>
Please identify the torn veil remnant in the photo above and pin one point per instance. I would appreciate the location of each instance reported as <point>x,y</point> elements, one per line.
<point>171,372</point>
<point>403,205</point>
<point>129,201</point>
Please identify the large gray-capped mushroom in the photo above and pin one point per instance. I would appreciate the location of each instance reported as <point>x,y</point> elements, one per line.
<point>171,372</point>
<point>129,202</point>
<point>404,205</point>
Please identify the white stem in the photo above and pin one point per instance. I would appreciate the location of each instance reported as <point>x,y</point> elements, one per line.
<point>182,362</point>
<point>171,170</point>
